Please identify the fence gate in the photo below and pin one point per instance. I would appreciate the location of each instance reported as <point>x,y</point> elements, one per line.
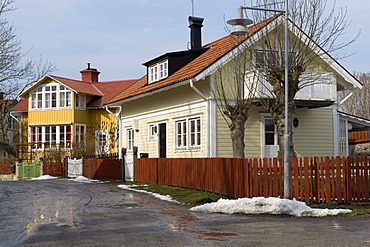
<point>28,170</point>
<point>74,167</point>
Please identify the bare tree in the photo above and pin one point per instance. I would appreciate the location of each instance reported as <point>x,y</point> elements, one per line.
<point>358,102</point>
<point>16,73</point>
<point>234,97</point>
<point>314,33</point>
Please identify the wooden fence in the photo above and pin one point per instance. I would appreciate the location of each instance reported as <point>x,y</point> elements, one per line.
<point>103,168</point>
<point>6,169</point>
<point>57,169</point>
<point>317,180</point>
<point>92,168</point>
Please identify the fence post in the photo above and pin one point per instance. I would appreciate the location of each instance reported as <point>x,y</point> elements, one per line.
<point>66,165</point>
<point>124,150</point>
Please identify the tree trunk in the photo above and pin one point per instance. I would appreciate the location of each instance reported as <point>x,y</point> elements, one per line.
<point>237,137</point>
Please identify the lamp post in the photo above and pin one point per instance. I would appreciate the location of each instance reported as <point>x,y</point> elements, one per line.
<point>240,28</point>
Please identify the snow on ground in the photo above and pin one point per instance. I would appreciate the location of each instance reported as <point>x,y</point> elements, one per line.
<point>271,205</point>
<point>44,177</point>
<point>83,179</point>
<point>161,197</point>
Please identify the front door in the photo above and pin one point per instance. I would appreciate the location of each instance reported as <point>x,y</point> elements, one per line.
<point>270,139</point>
<point>162,140</point>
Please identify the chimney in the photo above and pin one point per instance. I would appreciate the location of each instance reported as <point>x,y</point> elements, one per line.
<point>90,74</point>
<point>195,24</point>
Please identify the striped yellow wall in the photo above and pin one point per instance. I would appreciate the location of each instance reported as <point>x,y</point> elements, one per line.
<point>314,135</point>
<point>252,138</point>
<point>43,117</point>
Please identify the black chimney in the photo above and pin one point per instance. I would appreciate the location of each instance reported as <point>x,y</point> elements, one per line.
<point>195,24</point>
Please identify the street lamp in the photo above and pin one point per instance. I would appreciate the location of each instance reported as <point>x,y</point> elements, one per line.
<point>240,28</point>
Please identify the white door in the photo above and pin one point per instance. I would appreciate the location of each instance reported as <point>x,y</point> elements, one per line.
<point>270,144</point>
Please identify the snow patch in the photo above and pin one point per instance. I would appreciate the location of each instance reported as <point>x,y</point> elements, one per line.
<point>271,205</point>
<point>44,177</point>
<point>83,179</point>
<point>161,197</point>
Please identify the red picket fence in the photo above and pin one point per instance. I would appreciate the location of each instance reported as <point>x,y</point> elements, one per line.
<point>318,180</point>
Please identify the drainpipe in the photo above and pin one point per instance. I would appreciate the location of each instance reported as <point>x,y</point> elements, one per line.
<point>116,115</point>
<point>197,90</point>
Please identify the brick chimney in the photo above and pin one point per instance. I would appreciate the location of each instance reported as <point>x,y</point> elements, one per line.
<point>90,74</point>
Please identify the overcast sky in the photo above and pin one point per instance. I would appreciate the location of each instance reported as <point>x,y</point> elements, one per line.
<point>117,36</point>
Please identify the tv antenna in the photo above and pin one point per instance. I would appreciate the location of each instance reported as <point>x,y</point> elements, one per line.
<point>192,7</point>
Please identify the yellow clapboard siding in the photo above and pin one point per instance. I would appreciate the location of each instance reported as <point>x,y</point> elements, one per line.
<point>50,117</point>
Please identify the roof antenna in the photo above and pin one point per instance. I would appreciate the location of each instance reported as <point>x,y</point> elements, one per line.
<point>192,7</point>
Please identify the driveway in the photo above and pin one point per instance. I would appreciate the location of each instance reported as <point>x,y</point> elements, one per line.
<point>67,213</point>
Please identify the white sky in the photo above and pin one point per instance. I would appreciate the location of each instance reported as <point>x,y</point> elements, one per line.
<point>117,36</point>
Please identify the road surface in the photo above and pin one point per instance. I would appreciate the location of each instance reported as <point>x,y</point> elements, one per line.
<point>67,213</point>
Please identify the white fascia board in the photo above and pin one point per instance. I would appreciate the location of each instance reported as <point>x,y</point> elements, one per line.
<point>325,56</point>
<point>120,102</point>
<point>255,37</point>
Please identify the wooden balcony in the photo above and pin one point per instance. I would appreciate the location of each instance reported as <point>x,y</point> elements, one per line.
<point>317,87</point>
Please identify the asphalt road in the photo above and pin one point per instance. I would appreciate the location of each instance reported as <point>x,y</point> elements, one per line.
<point>67,213</point>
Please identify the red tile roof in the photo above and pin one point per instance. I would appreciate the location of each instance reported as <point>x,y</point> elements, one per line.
<point>215,51</point>
<point>78,86</point>
<point>101,91</point>
<point>109,90</point>
<point>21,106</point>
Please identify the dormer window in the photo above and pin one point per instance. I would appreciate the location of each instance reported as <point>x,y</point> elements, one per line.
<point>80,101</point>
<point>158,71</point>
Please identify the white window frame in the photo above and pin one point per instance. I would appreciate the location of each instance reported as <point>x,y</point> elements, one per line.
<point>130,138</point>
<point>49,96</point>
<point>184,133</point>
<point>50,136</point>
<point>158,71</point>
<point>102,142</point>
<point>80,134</point>
<point>152,131</point>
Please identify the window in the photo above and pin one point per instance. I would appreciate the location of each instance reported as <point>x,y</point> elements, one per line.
<point>65,136</point>
<point>195,134</point>
<point>101,142</point>
<point>46,97</point>
<point>130,138</point>
<point>36,99</point>
<point>269,59</point>
<point>158,71</point>
<point>65,97</point>
<point>50,96</point>
<point>51,136</point>
<point>81,101</point>
<point>36,137</point>
<point>188,133</point>
<point>270,132</point>
<point>152,129</point>
<point>80,135</point>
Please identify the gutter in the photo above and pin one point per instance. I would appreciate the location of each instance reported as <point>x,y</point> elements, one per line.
<point>16,119</point>
<point>116,115</point>
<point>191,83</point>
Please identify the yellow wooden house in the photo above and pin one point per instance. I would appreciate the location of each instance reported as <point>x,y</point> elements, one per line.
<point>67,115</point>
